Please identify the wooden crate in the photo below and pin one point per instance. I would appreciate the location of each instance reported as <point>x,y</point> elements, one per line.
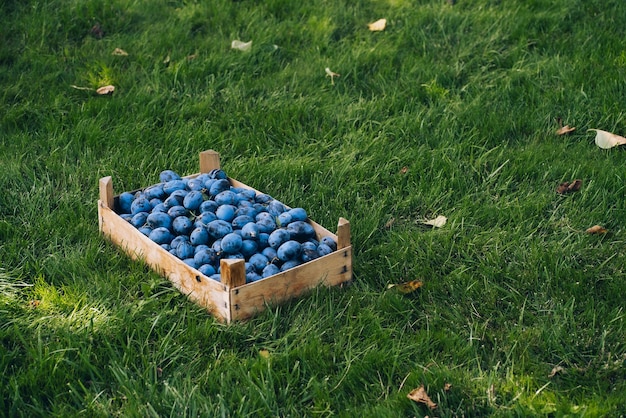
<point>231,299</point>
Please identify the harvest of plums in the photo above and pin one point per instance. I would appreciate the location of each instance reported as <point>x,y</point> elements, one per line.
<point>204,219</point>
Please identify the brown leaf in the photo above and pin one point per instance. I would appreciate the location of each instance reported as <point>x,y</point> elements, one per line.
<point>407,287</point>
<point>377,26</point>
<point>96,31</point>
<point>34,303</point>
<point>556,370</point>
<point>119,52</point>
<point>404,170</point>
<point>390,223</point>
<point>447,387</point>
<point>104,90</point>
<point>563,130</point>
<point>567,187</point>
<point>419,395</point>
<point>596,230</point>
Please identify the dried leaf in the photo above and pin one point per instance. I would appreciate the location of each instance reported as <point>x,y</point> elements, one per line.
<point>419,395</point>
<point>567,187</point>
<point>104,90</point>
<point>119,52</point>
<point>96,31</point>
<point>242,46</point>
<point>596,230</point>
<point>438,222</point>
<point>390,223</point>
<point>331,74</point>
<point>447,387</point>
<point>563,130</point>
<point>377,26</point>
<point>606,140</point>
<point>34,303</point>
<point>404,170</point>
<point>264,353</point>
<point>556,370</point>
<point>408,287</point>
<point>192,57</point>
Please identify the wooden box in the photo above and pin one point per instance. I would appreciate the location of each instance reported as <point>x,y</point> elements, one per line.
<point>231,299</point>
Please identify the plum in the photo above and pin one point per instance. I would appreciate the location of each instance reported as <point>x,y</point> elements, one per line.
<point>259,261</point>
<point>219,228</point>
<point>158,219</point>
<point>297,214</point>
<point>226,212</point>
<point>172,185</point>
<point>278,238</point>
<point>168,175</point>
<point>176,211</point>
<point>290,250</point>
<point>207,269</point>
<point>270,270</point>
<point>185,250</point>
<point>208,206</point>
<point>182,225</point>
<point>193,200</point>
<point>218,174</point>
<point>199,236</point>
<point>155,191</point>
<point>249,231</point>
<point>240,221</point>
<point>330,241</point>
<point>140,204</point>
<point>323,249</point>
<point>161,235</point>
<point>231,243</point>
<point>219,186</point>
<point>300,231</point>
<point>139,219</point>
<point>226,197</point>
<point>249,248</point>
<point>289,265</point>
<point>125,201</point>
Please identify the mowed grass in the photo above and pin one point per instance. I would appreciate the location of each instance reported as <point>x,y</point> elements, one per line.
<point>451,110</point>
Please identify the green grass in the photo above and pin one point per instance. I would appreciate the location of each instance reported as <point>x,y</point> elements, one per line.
<point>466,97</point>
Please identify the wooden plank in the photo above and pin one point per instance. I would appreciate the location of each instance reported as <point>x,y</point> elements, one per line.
<point>233,272</point>
<point>343,233</point>
<point>330,270</point>
<point>106,191</point>
<point>205,291</point>
<point>209,160</point>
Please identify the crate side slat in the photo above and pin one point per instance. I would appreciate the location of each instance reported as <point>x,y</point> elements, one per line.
<point>206,292</point>
<point>330,270</point>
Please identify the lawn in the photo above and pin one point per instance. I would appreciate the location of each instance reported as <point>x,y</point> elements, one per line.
<point>452,110</point>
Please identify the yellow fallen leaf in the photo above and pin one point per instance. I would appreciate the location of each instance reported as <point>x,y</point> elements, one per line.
<point>438,222</point>
<point>596,230</point>
<point>104,90</point>
<point>407,287</point>
<point>119,52</point>
<point>419,395</point>
<point>264,353</point>
<point>607,140</point>
<point>242,46</point>
<point>377,26</point>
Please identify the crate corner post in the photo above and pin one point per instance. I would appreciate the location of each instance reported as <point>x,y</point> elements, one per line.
<point>209,160</point>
